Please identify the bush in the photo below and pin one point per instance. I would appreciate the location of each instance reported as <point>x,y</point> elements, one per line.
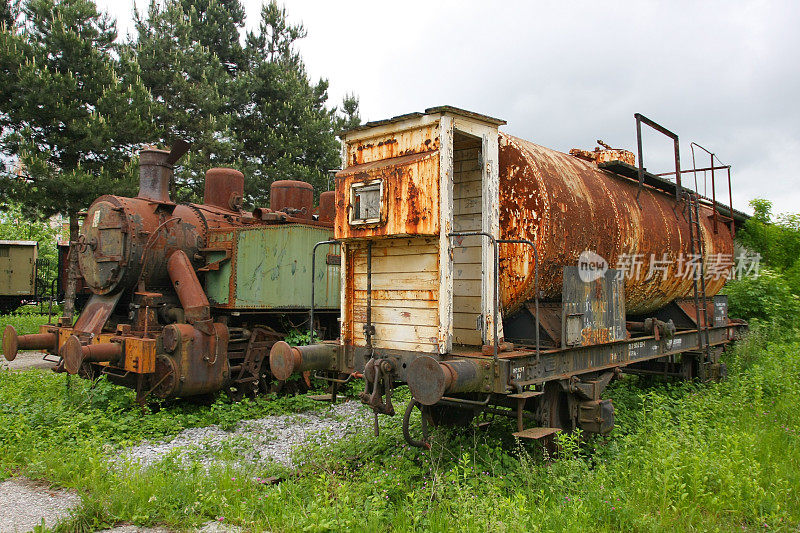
<point>767,297</point>
<point>24,323</point>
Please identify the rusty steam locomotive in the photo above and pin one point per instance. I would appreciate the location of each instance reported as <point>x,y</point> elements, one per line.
<point>188,299</point>
<point>475,270</point>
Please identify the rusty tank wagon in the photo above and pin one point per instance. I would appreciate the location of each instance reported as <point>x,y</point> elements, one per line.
<point>493,275</point>
<point>188,299</point>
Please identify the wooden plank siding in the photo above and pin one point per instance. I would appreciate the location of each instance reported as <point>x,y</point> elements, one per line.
<point>467,209</point>
<point>405,293</point>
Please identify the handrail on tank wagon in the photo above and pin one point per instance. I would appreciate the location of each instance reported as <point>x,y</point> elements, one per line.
<point>713,156</point>
<point>313,278</point>
<point>677,147</point>
<point>495,288</point>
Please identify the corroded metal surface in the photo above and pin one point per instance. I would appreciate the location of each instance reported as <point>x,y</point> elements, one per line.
<point>327,206</point>
<point>285,360</point>
<point>123,239</point>
<point>149,324</point>
<point>75,355</point>
<point>409,200</point>
<point>293,197</point>
<point>12,342</point>
<point>602,156</point>
<point>224,188</point>
<point>596,308</point>
<point>394,144</point>
<point>197,365</point>
<point>429,379</point>
<point>567,205</point>
<point>96,313</point>
<point>190,293</point>
<point>155,174</point>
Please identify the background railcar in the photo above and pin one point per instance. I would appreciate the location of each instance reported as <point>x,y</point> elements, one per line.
<point>475,268</point>
<point>17,273</point>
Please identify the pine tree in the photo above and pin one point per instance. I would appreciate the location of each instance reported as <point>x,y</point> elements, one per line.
<point>216,25</point>
<point>190,83</point>
<point>9,9</point>
<point>252,107</point>
<point>70,111</point>
<point>284,127</point>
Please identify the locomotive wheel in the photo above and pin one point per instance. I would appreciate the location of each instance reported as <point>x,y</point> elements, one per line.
<point>266,381</point>
<point>554,408</point>
<point>235,394</point>
<point>165,377</point>
<point>447,415</point>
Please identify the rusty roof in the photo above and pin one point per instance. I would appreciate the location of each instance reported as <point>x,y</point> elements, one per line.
<point>442,109</point>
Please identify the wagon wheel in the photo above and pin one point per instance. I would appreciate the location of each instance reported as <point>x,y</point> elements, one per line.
<point>554,408</point>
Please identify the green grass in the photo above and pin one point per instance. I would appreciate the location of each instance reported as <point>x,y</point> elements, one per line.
<point>684,457</point>
<point>24,323</point>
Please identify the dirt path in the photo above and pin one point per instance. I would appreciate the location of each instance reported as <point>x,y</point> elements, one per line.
<point>25,360</point>
<point>24,504</point>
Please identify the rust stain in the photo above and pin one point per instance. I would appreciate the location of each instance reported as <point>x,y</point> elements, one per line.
<point>567,205</point>
<point>410,202</point>
<point>412,141</point>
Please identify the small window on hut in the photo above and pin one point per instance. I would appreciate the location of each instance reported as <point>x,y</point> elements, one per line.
<point>365,201</point>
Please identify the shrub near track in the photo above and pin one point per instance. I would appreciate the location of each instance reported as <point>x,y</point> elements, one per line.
<point>25,322</point>
<point>684,457</point>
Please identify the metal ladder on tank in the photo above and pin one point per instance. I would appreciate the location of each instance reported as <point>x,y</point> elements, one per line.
<point>699,289</point>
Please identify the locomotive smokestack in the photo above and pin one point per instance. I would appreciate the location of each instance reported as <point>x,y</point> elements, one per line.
<point>155,174</point>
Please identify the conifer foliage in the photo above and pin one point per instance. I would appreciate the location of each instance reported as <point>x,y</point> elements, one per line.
<point>247,104</point>
<point>71,109</point>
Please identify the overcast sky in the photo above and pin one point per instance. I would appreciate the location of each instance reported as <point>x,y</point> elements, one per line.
<point>563,74</point>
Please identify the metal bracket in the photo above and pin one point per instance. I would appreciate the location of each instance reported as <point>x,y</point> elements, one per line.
<point>661,129</point>
<point>214,265</point>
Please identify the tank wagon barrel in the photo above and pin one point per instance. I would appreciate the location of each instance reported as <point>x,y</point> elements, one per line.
<point>567,205</point>
<point>424,304</point>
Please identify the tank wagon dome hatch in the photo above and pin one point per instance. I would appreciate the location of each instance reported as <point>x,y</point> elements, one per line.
<point>465,253</point>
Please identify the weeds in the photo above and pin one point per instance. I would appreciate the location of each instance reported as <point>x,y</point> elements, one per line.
<point>683,457</point>
<point>25,323</point>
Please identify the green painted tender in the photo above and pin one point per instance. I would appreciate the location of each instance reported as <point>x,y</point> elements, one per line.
<point>269,267</point>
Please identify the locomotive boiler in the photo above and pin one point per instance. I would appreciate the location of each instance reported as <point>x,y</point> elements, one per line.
<point>493,275</point>
<point>187,299</point>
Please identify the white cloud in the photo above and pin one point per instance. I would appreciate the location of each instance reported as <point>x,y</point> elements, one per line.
<point>563,74</point>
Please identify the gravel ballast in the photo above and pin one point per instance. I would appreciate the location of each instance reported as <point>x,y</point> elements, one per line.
<point>26,360</point>
<point>272,439</point>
